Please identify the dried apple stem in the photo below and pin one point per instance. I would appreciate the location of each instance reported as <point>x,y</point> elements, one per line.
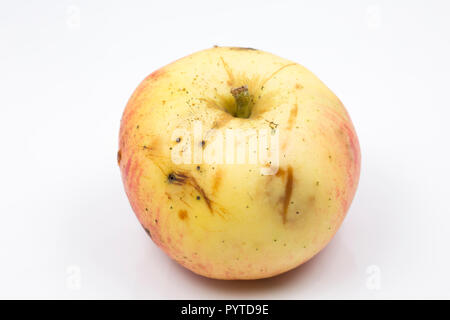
<point>243,101</point>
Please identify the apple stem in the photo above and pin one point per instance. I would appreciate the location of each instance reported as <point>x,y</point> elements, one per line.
<point>243,101</point>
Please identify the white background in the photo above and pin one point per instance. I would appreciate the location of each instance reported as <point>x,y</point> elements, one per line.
<point>67,69</point>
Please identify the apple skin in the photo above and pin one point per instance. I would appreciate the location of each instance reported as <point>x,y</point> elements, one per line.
<point>228,221</point>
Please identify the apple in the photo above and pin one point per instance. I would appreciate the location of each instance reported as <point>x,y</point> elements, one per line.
<point>228,205</point>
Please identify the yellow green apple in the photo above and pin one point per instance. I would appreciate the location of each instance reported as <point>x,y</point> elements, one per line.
<point>220,212</point>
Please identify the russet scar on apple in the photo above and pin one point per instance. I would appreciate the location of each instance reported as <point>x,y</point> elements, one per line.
<point>228,220</point>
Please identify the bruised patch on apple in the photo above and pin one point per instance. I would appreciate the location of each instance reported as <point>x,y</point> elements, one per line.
<point>292,116</point>
<point>283,181</point>
<point>119,157</point>
<point>287,193</point>
<point>183,214</point>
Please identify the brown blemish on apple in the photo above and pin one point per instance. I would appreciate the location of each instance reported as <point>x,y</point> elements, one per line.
<point>217,180</point>
<point>181,178</point>
<point>298,86</point>
<point>177,178</point>
<point>280,173</point>
<point>119,156</point>
<point>147,231</point>
<point>287,193</point>
<point>200,190</point>
<point>292,116</point>
<point>182,214</point>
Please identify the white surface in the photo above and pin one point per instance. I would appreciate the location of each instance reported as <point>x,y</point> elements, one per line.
<point>67,69</point>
